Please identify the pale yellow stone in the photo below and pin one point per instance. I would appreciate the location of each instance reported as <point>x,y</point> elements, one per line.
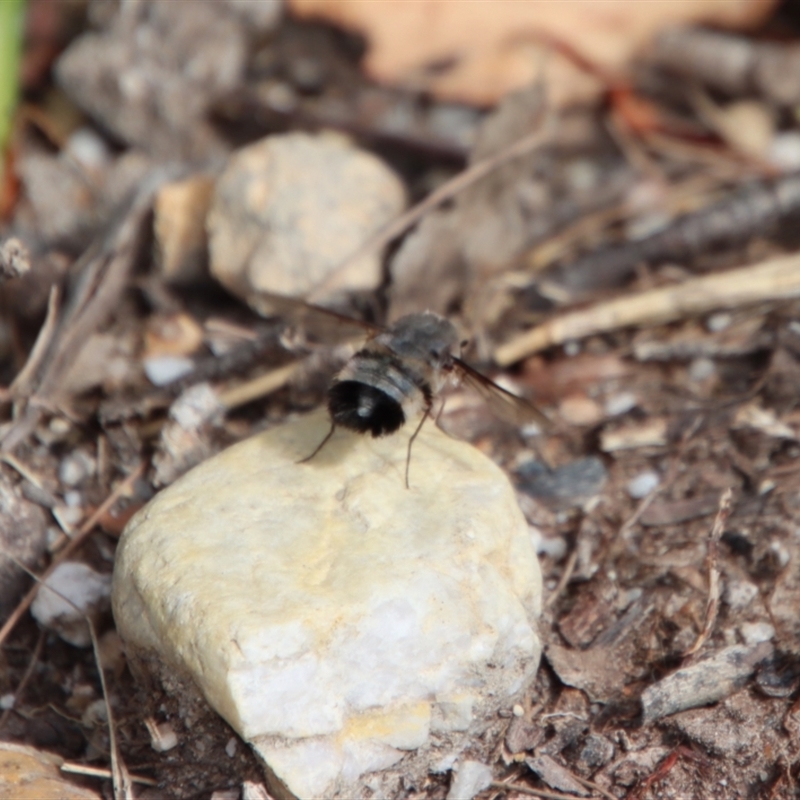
<point>333,616</point>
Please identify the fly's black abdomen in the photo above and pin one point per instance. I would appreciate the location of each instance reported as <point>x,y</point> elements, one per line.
<point>361,407</point>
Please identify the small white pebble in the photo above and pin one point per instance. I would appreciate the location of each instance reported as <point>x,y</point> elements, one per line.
<point>6,702</point>
<point>279,96</point>
<point>54,534</point>
<point>718,322</point>
<point>68,516</point>
<point>161,370</point>
<point>701,369</point>
<point>781,553</point>
<point>579,410</point>
<point>766,486</point>
<point>78,590</point>
<point>553,546</point>
<point>647,224</point>
<point>73,499</point>
<point>445,764</point>
<point>76,467</point>
<point>572,348</point>
<point>230,747</point>
<point>60,426</point>
<point>582,174</point>
<point>95,714</point>
<point>784,151</point>
<point>88,149</point>
<point>643,484</point>
<point>162,737</point>
<point>518,710</point>
<point>740,594</point>
<point>620,403</point>
<point>756,632</point>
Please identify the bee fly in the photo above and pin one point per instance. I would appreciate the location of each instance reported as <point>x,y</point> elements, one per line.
<point>398,373</point>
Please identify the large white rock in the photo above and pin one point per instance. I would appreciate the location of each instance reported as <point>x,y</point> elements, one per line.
<point>341,623</point>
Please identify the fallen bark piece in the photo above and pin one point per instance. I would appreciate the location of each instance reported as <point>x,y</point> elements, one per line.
<point>704,682</point>
<point>523,735</point>
<point>355,632</point>
<point>775,280</point>
<point>754,210</point>
<point>179,225</point>
<point>553,774</point>
<point>650,433</point>
<point>673,512</point>
<point>732,64</point>
<point>485,48</point>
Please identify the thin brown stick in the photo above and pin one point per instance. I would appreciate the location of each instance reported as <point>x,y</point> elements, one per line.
<point>123,789</point>
<point>516,787</point>
<point>569,568</point>
<point>73,545</point>
<point>669,479</point>
<point>712,564</point>
<point>522,147</point>
<point>103,272</point>
<point>101,772</point>
<point>37,651</point>
<point>594,787</point>
<point>258,387</point>
<point>120,778</point>
<point>21,383</point>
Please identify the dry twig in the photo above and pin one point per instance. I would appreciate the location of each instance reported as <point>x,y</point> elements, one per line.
<point>712,558</point>
<point>100,772</point>
<point>123,789</point>
<point>516,787</point>
<point>102,274</point>
<point>21,385</point>
<point>37,651</point>
<point>522,147</point>
<point>258,387</point>
<point>70,548</point>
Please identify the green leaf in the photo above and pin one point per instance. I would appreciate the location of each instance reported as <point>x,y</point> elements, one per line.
<point>11,31</point>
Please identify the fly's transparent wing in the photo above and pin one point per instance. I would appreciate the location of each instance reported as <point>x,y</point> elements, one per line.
<point>314,322</point>
<point>503,404</point>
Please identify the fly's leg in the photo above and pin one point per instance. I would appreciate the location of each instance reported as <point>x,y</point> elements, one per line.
<point>320,445</point>
<point>439,414</point>
<point>414,436</point>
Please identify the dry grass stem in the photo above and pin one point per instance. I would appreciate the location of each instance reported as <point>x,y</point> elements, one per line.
<point>774,280</point>
<point>712,564</point>
<point>258,387</point>
<point>101,772</point>
<point>516,787</point>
